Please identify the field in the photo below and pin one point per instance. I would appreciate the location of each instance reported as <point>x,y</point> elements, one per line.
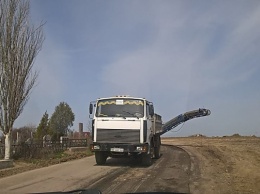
<point>222,165</point>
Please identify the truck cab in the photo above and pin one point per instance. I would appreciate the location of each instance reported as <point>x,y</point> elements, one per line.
<point>124,126</point>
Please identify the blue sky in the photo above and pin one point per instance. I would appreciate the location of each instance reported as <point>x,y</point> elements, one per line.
<point>181,55</point>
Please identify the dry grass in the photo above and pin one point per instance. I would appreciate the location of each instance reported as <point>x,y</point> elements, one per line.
<point>227,164</point>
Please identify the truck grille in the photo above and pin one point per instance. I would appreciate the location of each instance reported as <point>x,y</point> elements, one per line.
<point>118,135</point>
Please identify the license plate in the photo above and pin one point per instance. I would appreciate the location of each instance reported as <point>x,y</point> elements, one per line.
<point>116,149</point>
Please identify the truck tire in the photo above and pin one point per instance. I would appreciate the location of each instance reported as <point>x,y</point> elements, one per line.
<point>146,159</point>
<point>157,147</point>
<point>100,158</point>
<point>157,152</point>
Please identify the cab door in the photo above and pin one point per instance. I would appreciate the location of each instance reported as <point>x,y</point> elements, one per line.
<point>149,120</point>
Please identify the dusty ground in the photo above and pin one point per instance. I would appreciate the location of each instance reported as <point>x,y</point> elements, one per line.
<point>66,176</point>
<point>23,165</point>
<point>226,165</point>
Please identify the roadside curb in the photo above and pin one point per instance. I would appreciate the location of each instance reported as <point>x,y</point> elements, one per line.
<point>6,164</point>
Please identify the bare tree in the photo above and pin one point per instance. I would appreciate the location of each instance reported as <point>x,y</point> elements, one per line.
<point>20,42</point>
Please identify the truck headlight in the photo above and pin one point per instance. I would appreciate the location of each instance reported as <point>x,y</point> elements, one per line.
<point>141,148</point>
<point>95,147</point>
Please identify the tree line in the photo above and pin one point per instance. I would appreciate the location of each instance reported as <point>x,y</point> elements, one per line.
<point>55,126</point>
<point>58,124</point>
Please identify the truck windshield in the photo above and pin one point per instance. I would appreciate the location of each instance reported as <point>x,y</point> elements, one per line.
<point>120,108</point>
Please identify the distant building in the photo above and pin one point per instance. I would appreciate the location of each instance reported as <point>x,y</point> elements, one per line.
<point>82,135</point>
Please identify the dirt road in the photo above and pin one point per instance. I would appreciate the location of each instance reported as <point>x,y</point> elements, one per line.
<point>61,177</point>
<point>171,172</point>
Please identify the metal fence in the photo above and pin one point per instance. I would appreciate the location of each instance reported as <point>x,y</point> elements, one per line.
<point>39,149</point>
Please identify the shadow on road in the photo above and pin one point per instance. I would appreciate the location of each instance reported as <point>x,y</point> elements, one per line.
<point>127,162</point>
<point>136,162</point>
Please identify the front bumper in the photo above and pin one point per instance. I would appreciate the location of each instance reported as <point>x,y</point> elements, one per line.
<point>123,148</point>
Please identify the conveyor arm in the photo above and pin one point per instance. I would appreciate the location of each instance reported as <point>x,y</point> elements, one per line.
<point>184,117</point>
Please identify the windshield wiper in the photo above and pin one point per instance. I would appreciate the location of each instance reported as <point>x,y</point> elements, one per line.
<point>117,115</point>
<point>102,115</point>
<point>131,114</point>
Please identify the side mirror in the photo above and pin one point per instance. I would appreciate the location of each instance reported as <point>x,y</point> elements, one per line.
<point>151,110</point>
<point>90,108</point>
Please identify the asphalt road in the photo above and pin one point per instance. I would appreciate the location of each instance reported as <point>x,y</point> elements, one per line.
<point>171,173</point>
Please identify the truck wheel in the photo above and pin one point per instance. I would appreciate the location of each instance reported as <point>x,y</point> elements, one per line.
<point>157,152</point>
<point>146,159</point>
<point>100,158</point>
<point>157,147</point>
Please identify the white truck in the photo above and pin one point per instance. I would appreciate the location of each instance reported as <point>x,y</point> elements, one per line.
<point>124,126</point>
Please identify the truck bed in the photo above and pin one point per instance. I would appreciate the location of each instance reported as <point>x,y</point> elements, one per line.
<point>157,124</point>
